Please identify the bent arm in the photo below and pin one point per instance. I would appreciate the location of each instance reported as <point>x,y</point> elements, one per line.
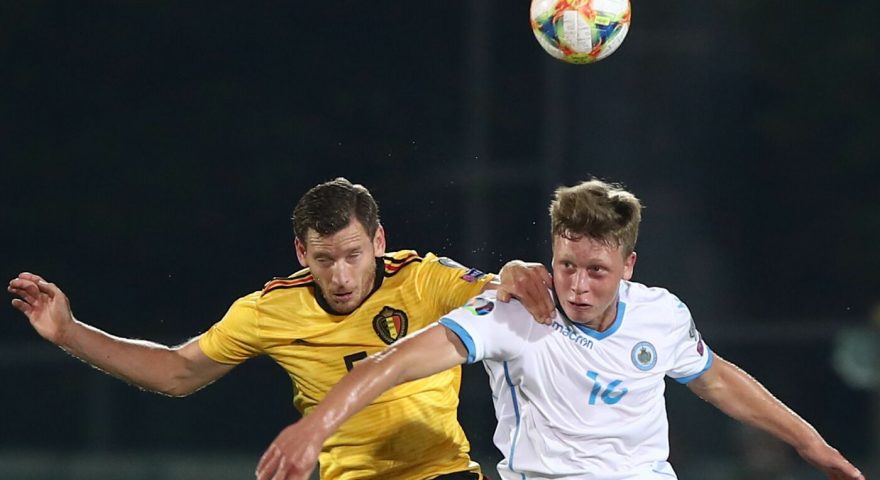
<point>295,450</point>
<point>175,371</point>
<point>430,351</point>
<point>740,396</point>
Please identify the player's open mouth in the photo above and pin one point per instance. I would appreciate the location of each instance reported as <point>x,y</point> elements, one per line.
<point>580,306</point>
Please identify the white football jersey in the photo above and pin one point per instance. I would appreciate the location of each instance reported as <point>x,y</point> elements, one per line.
<point>575,403</point>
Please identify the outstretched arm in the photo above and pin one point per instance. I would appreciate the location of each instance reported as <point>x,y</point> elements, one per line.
<point>175,371</point>
<point>739,395</point>
<point>293,453</point>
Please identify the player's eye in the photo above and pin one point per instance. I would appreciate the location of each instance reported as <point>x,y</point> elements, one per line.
<point>597,270</point>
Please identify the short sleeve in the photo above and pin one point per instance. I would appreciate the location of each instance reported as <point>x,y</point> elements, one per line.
<point>692,357</point>
<point>448,283</point>
<point>490,330</point>
<point>235,338</point>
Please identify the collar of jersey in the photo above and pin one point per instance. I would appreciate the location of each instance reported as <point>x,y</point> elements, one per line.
<point>377,282</point>
<point>618,321</point>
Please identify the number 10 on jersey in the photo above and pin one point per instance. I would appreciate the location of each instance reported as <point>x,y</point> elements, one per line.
<point>610,395</point>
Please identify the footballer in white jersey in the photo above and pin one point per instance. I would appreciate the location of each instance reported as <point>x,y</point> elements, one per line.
<point>572,402</point>
<point>579,397</point>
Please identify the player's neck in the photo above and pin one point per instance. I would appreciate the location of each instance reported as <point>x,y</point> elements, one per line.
<point>603,323</point>
<point>607,318</point>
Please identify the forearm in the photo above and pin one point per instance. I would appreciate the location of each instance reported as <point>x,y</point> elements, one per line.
<point>366,382</point>
<point>429,351</point>
<point>741,397</point>
<point>174,371</point>
<point>148,365</point>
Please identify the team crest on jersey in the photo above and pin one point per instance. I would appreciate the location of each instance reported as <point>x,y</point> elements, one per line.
<point>479,306</point>
<point>644,356</point>
<point>390,324</point>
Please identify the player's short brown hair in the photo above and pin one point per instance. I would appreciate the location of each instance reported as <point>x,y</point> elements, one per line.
<point>329,207</point>
<point>602,211</point>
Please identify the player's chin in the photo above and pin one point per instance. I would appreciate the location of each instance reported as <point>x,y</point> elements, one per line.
<point>580,313</point>
<point>347,306</point>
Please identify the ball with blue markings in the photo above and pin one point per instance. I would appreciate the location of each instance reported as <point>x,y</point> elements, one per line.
<point>580,31</point>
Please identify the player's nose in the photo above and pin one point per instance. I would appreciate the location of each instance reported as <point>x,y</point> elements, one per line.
<point>580,283</point>
<point>341,276</point>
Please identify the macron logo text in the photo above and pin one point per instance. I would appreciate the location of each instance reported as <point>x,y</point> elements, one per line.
<point>573,335</point>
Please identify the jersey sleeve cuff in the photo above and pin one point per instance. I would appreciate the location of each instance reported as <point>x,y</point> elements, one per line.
<point>463,335</point>
<point>207,347</point>
<point>690,378</point>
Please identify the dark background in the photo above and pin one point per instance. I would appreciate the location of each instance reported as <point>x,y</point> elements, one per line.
<point>152,153</point>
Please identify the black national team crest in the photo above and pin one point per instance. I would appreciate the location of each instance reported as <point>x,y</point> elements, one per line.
<point>390,324</point>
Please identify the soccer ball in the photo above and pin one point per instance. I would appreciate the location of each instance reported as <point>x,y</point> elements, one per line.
<point>580,31</point>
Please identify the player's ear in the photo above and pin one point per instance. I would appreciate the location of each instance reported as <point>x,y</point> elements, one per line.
<point>379,242</point>
<point>300,251</point>
<point>629,265</point>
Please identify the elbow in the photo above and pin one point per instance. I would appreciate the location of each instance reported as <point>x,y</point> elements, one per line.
<point>177,391</point>
<point>181,383</point>
<point>173,387</point>
<point>183,377</point>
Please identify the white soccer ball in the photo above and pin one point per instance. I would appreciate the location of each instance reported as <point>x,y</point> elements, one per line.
<point>580,31</point>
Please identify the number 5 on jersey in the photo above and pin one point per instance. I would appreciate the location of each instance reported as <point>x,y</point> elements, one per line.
<point>611,395</point>
<point>354,357</point>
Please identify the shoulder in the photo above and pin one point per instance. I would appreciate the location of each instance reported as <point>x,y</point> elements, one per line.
<point>243,310</point>
<point>431,266</point>
<point>445,262</point>
<point>490,329</point>
<point>486,304</point>
<point>634,293</point>
<point>402,256</point>
<point>394,262</point>
<point>247,301</point>
<point>654,305</point>
<point>300,279</point>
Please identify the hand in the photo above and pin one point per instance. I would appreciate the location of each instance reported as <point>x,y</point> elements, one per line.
<point>829,460</point>
<point>528,283</point>
<point>293,453</point>
<point>44,304</point>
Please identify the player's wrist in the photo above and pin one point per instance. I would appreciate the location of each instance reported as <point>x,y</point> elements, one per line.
<point>69,337</point>
<point>62,333</point>
<point>812,441</point>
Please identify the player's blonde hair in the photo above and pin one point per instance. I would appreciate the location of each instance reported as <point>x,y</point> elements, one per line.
<point>602,211</point>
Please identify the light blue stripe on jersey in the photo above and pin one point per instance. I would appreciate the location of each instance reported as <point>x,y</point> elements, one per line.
<point>618,320</point>
<point>697,375</point>
<point>516,430</point>
<point>663,468</point>
<point>463,335</point>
